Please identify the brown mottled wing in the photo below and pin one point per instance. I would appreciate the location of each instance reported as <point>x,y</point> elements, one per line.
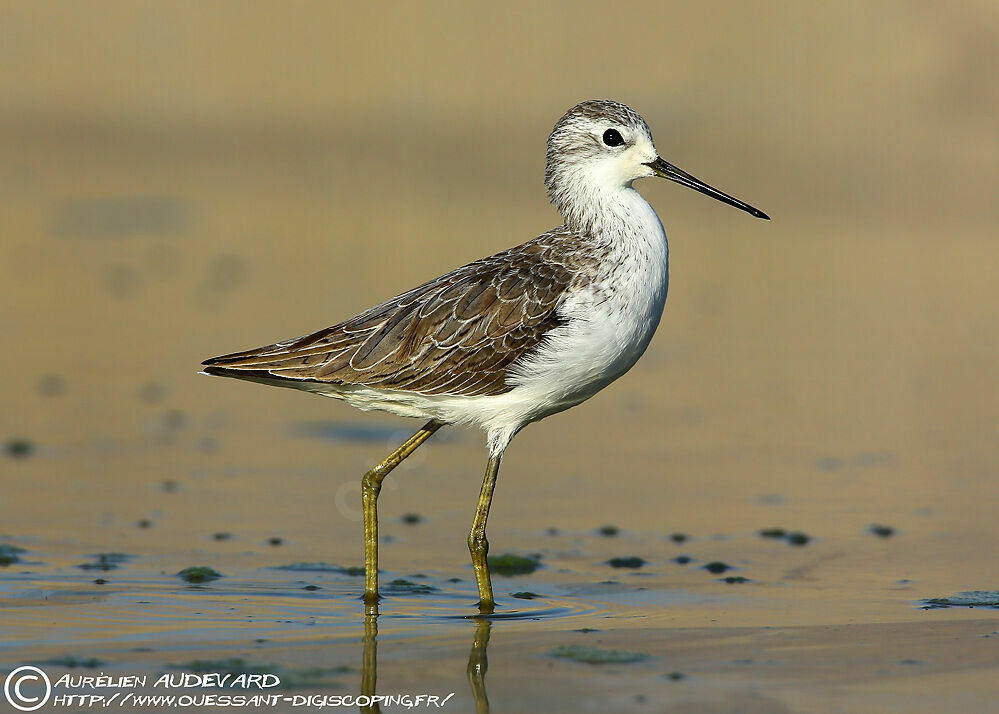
<point>456,335</point>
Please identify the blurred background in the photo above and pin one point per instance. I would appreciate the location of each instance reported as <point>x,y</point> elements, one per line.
<point>180,180</point>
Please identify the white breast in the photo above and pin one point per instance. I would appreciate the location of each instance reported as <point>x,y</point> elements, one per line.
<point>610,322</point>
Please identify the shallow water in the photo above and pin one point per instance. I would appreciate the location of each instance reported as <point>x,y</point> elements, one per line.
<point>830,373</point>
<point>842,613</point>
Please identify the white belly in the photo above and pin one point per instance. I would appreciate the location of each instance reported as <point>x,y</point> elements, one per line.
<point>608,330</point>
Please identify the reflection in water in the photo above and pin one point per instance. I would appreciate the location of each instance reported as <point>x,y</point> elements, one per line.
<point>478,663</point>
<point>369,658</point>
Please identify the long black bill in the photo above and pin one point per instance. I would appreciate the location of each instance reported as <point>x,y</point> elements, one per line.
<point>667,170</point>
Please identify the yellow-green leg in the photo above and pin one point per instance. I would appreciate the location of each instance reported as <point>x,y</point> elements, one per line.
<point>478,546</point>
<point>371,485</point>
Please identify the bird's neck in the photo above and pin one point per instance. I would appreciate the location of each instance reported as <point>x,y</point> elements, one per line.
<point>619,217</point>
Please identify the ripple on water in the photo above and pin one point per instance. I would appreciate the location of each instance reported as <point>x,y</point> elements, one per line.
<point>548,602</point>
<point>139,605</point>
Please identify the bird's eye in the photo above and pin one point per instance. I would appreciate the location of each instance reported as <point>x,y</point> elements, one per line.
<point>612,137</point>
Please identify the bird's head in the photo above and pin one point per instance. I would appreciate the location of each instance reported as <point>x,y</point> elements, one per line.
<point>599,147</point>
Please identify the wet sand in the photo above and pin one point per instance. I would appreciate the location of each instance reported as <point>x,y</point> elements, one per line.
<point>827,372</point>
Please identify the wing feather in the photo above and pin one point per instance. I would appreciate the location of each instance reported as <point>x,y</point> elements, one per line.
<point>458,334</point>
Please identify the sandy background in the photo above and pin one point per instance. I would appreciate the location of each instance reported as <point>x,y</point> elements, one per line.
<point>180,180</point>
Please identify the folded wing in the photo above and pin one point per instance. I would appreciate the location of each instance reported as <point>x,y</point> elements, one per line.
<point>455,335</point>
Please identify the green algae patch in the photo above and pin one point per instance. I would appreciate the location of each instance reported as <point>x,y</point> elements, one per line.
<point>321,567</point>
<point>798,538</point>
<point>199,574</point>
<point>105,561</point>
<point>629,562</point>
<point>10,554</point>
<point>228,665</point>
<point>71,662</point>
<point>716,566</point>
<point>773,533</point>
<point>792,537</point>
<point>509,564</point>
<point>19,448</point>
<point>400,586</point>
<point>290,677</point>
<point>312,677</point>
<point>970,598</point>
<point>596,655</point>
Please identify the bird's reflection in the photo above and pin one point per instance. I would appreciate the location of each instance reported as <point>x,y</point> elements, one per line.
<point>478,663</point>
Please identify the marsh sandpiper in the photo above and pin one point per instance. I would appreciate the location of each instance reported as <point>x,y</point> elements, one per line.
<point>512,338</point>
